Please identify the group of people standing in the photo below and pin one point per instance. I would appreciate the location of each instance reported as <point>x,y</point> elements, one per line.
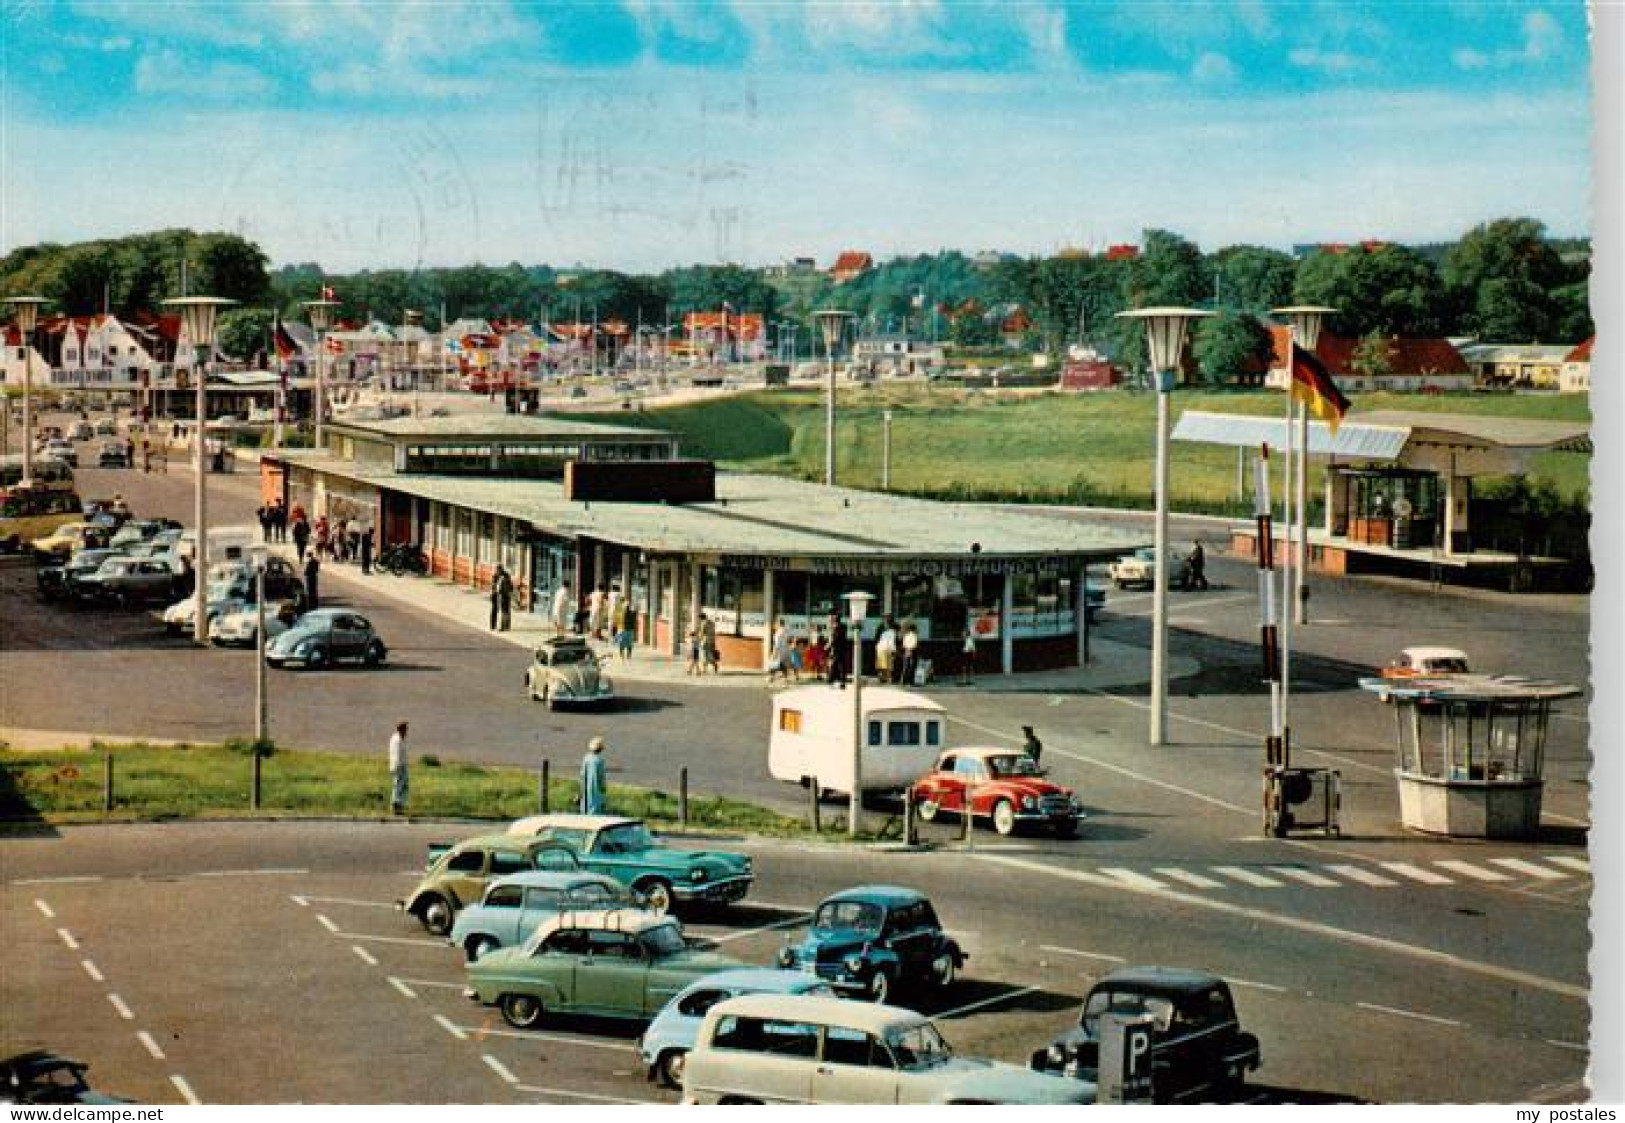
<point>603,614</point>
<point>827,654</point>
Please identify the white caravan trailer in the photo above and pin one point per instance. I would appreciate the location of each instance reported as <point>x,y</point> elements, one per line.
<point>811,737</point>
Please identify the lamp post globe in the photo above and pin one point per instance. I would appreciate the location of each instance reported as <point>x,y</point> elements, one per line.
<point>857,610</point>
<point>832,325</point>
<point>26,310</point>
<point>1166,330</point>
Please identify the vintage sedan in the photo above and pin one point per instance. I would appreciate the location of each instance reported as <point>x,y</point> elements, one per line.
<point>515,906</point>
<point>625,850</point>
<point>874,939</point>
<point>241,625</point>
<point>72,536</point>
<point>124,580</point>
<point>1140,568</point>
<point>1198,1048</point>
<point>665,1044</point>
<point>564,672</point>
<point>324,636</point>
<point>805,1049</point>
<point>1004,787</point>
<point>457,876</point>
<point>622,963</point>
<point>80,570</point>
<point>40,1077</point>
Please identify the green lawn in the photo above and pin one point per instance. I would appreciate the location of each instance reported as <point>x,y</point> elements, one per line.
<point>1036,447</point>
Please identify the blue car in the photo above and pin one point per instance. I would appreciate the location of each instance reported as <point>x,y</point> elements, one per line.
<point>515,906</point>
<point>872,939</point>
<point>665,1044</point>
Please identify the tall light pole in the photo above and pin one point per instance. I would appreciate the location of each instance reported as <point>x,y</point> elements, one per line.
<point>321,318</point>
<point>198,313</point>
<point>1305,321</point>
<point>832,322</point>
<point>27,312</point>
<point>1165,332</point>
<point>885,450</point>
<point>857,608</point>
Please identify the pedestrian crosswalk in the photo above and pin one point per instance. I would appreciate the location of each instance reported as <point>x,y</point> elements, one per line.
<point>1503,872</point>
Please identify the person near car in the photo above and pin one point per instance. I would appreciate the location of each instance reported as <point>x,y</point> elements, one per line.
<point>886,650</point>
<point>313,568</point>
<point>626,636</point>
<point>398,779</point>
<point>909,644</point>
<point>366,551</point>
<point>501,600</point>
<point>301,534</point>
<point>186,580</point>
<point>1032,746</point>
<point>594,770</point>
<point>561,608</point>
<point>1198,567</point>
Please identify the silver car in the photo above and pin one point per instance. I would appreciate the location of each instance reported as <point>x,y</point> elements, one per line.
<point>564,671</point>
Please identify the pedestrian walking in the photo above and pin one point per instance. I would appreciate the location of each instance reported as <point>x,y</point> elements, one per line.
<point>596,616</point>
<point>279,521</point>
<point>627,635</point>
<point>967,655</point>
<point>301,536</point>
<point>398,780</point>
<point>561,609</point>
<point>146,456</point>
<point>909,645</point>
<point>1198,567</point>
<point>708,645</point>
<point>691,651</point>
<point>798,658</point>
<point>1032,746</point>
<point>816,656</point>
<point>836,663</point>
<point>886,650</point>
<point>323,536</point>
<point>312,568</point>
<point>594,770</point>
<point>264,516</point>
<point>778,656</point>
<point>501,600</point>
<point>366,551</point>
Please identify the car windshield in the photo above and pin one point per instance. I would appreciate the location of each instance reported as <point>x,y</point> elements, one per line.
<point>664,939</point>
<point>628,838</point>
<point>1016,764</point>
<point>567,656</point>
<point>856,916</point>
<point>1129,1003</point>
<point>918,1047</point>
<point>1445,666</point>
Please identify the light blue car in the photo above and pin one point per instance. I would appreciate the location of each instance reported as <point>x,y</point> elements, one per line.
<point>665,1044</point>
<point>515,906</point>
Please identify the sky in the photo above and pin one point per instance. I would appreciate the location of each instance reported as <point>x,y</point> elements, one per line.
<point>646,134</point>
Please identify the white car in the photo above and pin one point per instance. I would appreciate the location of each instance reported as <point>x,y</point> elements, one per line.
<point>241,625</point>
<point>1140,568</point>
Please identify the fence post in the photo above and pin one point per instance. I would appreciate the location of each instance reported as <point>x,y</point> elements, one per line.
<point>966,818</point>
<point>254,791</point>
<point>908,817</point>
<point>812,795</point>
<point>682,796</point>
<point>543,783</point>
<point>107,779</point>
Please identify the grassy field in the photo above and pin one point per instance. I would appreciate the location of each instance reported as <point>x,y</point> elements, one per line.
<point>203,781</point>
<point>1036,446</point>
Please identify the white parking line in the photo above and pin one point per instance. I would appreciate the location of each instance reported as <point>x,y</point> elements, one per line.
<point>1416,873</point>
<point>390,905</point>
<point>1308,877</point>
<point>1235,982</point>
<point>55,881</point>
<point>791,923</point>
<point>1129,877</point>
<point>326,923</point>
<point>1574,1045</point>
<point>123,1010</point>
<point>1247,876</point>
<point>428,982</point>
<point>1580,865</point>
<point>67,938</point>
<point>482,1032</point>
<point>364,955</point>
<point>1363,876</point>
<point>92,970</point>
<point>402,987</point>
<point>273,872</point>
<point>994,1001</point>
<point>185,1090</point>
<point>569,1095</point>
<point>146,1039</point>
<point>1467,869</point>
<point>44,908</point>
<point>1407,1014</point>
<point>410,941</point>
<point>451,1027</point>
<point>1084,954</point>
<point>302,902</point>
<point>1530,868</point>
<point>1195,880</point>
<point>499,1068</point>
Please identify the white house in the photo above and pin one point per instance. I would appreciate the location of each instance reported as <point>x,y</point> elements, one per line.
<point>1576,375</point>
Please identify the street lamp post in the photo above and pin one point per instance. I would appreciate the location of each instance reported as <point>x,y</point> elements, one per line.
<point>857,607</point>
<point>832,322</point>
<point>198,313</point>
<point>1165,332</point>
<point>321,318</point>
<point>1305,321</point>
<point>885,450</point>
<point>27,310</point>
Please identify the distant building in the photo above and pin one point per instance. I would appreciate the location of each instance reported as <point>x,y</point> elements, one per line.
<point>1086,369</point>
<point>1514,366</point>
<point>726,336</point>
<point>1014,326</point>
<point>1576,376</point>
<point>850,265</point>
<point>1414,364</point>
<point>894,355</point>
<point>1122,252</point>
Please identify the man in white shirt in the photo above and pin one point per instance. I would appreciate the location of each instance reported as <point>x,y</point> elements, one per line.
<point>397,770</point>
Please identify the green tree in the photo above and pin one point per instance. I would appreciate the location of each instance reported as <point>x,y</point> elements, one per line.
<point>1252,278</point>
<point>1373,356</point>
<point>1385,288</point>
<point>245,333</point>
<point>1231,346</point>
<point>1496,268</point>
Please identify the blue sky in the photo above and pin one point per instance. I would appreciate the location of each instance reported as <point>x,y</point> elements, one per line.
<point>646,133</point>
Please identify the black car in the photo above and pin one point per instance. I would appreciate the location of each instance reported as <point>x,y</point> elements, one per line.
<point>39,1077</point>
<point>874,939</point>
<point>1199,1050</point>
<point>113,454</point>
<point>73,580</point>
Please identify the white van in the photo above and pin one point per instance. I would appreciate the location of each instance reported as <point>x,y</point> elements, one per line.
<point>811,737</point>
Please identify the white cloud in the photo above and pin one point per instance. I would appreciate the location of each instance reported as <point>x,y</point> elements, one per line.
<point>1466,58</point>
<point>1327,62</point>
<point>167,73</point>
<point>1541,36</point>
<point>1213,67</point>
<point>1045,31</point>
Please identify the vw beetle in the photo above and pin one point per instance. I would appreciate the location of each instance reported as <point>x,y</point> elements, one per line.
<point>564,672</point>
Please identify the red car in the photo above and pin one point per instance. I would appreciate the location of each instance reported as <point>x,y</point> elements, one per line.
<point>1005,785</point>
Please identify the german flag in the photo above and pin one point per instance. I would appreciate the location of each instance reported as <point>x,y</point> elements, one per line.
<point>1313,386</point>
<point>286,348</point>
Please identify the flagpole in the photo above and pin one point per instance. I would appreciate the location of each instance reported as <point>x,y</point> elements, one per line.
<point>1300,563</point>
<point>1285,612</point>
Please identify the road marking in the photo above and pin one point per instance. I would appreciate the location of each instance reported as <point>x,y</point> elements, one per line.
<point>185,1090</point>
<point>791,923</point>
<point>1416,873</point>
<point>1195,880</point>
<point>1574,1045</point>
<point>302,902</point>
<point>123,1010</point>
<point>499,1068</point>
<point>1310,927</point>
<point>1530,868</point>
<point>44,908</point>
<point>1363,876</point>
<point>451,1027</point>
<point>402,987</point>
<point>1467,869</point>
<point>1568,862</point>
<point>410,941</point>
<point>1235,982</point>
<point>1084,954</point>
<point>1247,876</point>
<point>364,955</point>
<point>482,1032</point>
<point>993,1001</point>
<point>390,905</point>
<point>1308,877</point>
<point>429,983</point>
<point>55,881</point>
<point>273,872</point>
<point>92,970</point>
<point>326,923</point>
<point>67,938</point>
<point>1129,877</point>
<point>1407,1014</point>
<point>584,1095</point>
<point>152,1046</point>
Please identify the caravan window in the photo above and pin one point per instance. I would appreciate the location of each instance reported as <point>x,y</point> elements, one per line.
<point>903,733</point>
<point>790,721</point>
<point>933,733</point>
<point>874,733</point>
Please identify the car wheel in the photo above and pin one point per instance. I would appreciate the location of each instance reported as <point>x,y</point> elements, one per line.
<point>374,654</point>
<point>928,809</point>
<point>943,970</point>
<point>671,1065</point>
<point>656,893</point>
<point>317,659</point>
<point>522,1011</point>
<point>436,915</point>
<point>1004,817</point>
<point>477,946</point>
<point>879,988</point>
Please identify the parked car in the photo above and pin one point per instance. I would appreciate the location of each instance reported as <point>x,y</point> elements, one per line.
<point>241,625</point>
<point>106,426</point>
<point>124,580</point>
<point>77,574</point>
<point>665,1044</point>
<point>457,876</point>
<point>113,454</point>
<point>81,431</point>
<point>1425,662</point>
<point>622,963</point>
<point>324,636</point>
<point>1198,1046</point>
<point>787,1048</point>
<point>1140,568</point>
<point>873,939</point>
<point>40,1077</point>
<point>234,588</point>
<point>140,530</point>
<point>565,672</point>
<point>1006,788</point>
<point>625,850</point>
<point>515,906</point>
<point>61,450</point>
<point>70,537</point>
